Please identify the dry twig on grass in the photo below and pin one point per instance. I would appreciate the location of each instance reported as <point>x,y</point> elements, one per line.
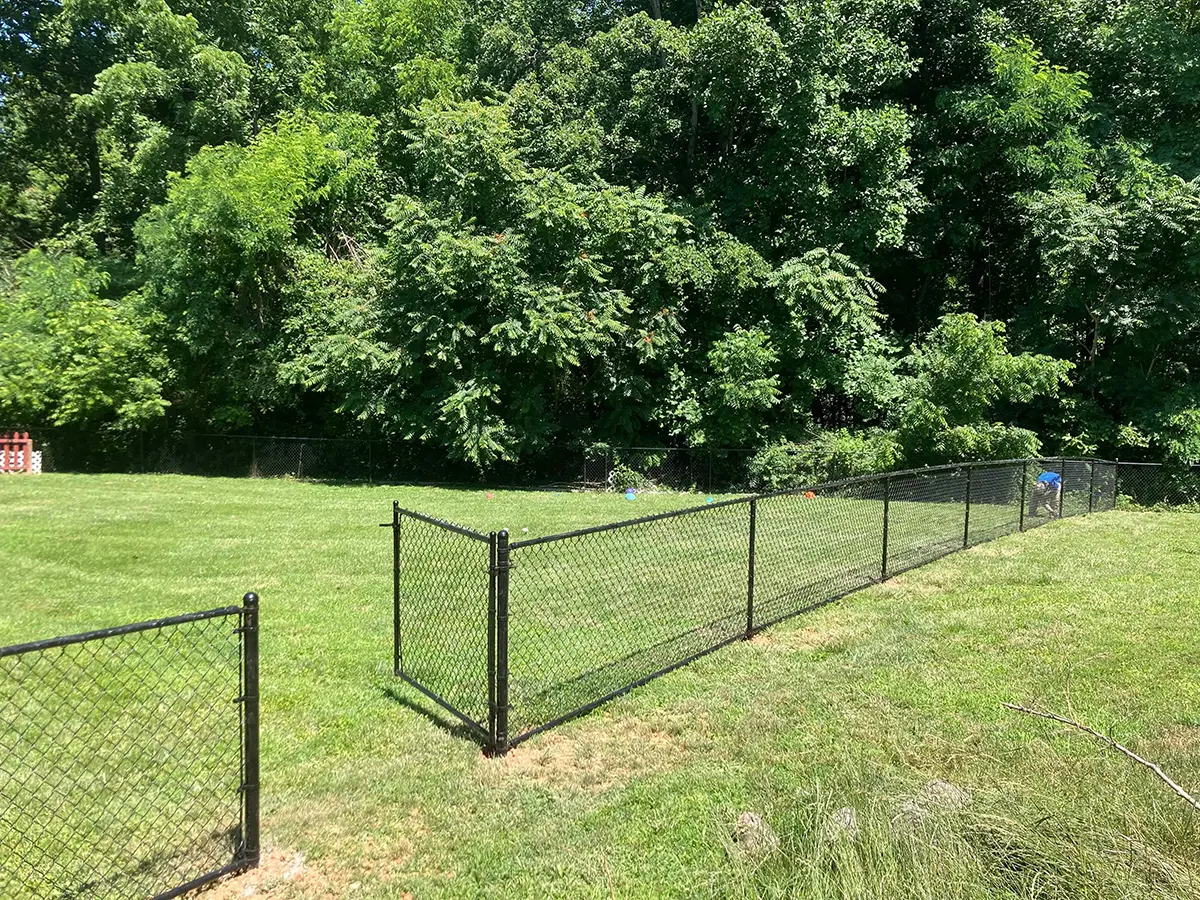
<point>1153,767</point>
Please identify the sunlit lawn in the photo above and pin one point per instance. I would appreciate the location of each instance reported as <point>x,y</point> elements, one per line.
<point>856,704</point>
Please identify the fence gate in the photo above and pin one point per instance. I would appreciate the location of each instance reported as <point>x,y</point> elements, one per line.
<point>129,758</point>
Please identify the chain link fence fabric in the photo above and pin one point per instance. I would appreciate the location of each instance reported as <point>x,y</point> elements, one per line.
<point>442,614</point>
<point>1156,484</point>
<point>124,769</point>
<point>522,636</point>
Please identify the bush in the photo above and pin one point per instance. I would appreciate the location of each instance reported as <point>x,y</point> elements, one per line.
<point>828,457</point>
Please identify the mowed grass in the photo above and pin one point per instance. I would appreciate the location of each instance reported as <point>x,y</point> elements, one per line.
<point>857,704</point>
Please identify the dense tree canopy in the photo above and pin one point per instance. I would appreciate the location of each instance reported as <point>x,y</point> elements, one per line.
<point>854,233</point>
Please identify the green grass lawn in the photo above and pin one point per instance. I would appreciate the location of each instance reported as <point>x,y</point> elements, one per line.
<point>856,704</point>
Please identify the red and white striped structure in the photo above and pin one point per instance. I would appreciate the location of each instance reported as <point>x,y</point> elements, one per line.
<point>16,453</point>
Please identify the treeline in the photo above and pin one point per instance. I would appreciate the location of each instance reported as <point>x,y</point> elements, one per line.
<point>853,233</point>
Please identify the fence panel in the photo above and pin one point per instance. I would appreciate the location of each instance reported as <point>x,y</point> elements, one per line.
<point>814,545</point>
<point>1155,484</point>
<point>128,758</point>
<point>1077,486</point>
<point>1104,486</point>
<point>442,616</point>
<point>1042,504</point>
<point>995,501</point>
<point>572,620</point>
<point>597,611</point>
<point>927,513</point>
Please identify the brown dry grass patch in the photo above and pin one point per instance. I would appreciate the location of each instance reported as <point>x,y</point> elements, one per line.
<point>1184,739</point>
<point>807,637</point>
<point>597,755</point>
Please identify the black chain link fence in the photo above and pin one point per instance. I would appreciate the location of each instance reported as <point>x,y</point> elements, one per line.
<point>524,635</point>
<point>1156,484</point>
<point>388,461</point>
<point>129,758</point>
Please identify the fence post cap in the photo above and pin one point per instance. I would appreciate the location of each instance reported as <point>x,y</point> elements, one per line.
<point>250,599</point>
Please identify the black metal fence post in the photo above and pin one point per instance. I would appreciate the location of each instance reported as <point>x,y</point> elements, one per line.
<point>491,637</point>
<point>1092,487</point>
<point>250,709</point>
<point>887,498</point>
<point>1024,489</point>
<point>1062,484</point>
<point>750,574</point>
<point>967,517</point>
<point>502,569</point>
<point>396,657</point>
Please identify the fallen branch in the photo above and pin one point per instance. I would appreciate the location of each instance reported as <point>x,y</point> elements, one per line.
<point>1153,767</point>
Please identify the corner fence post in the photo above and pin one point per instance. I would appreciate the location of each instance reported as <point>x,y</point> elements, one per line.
<point>967,517</point>
<point>250,788</point>
<point>1024,489</point>
<point>396,657</point>
<point>1062,485</point>
<point>500,746</point>
<point>887,499</point>
<point>750,574</point>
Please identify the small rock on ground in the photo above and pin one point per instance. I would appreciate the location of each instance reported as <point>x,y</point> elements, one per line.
<point>753,837</point>
<point>842,824</point>
<point>937,796</point>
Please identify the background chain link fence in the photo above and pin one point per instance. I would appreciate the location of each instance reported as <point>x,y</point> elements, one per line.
<point>128,758</point>
<point>389,461</point>
<point>1155,484</point>
<point>566,622</point>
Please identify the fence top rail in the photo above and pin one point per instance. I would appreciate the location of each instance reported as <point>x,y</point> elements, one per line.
<point>596,529</point>
<point>84,637</point>
<point>789,492</point>
<point>734,501</point>
<point>442,523</point>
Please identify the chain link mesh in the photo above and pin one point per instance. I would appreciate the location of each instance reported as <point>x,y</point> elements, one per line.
<point>1155,484</point>
<point>816,545</point>
<point>595,612</point>
<point>444,584</point>
<point>1104,494</point>
<point>926,516</point>
<point>120,762</point>
<point>995,502</point>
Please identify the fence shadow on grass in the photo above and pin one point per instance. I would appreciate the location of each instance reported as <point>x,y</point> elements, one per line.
<point>427,709</point>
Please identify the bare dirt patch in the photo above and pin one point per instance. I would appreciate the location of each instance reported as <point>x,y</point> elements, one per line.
<point>280,874</point>
<point>594,757</point>
<point>285,874</point>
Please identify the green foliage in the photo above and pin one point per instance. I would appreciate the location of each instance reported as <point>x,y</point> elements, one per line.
<point>71,357</point>
<point>952,384</point>
<point>829,456</point>
<point>494,227</point>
